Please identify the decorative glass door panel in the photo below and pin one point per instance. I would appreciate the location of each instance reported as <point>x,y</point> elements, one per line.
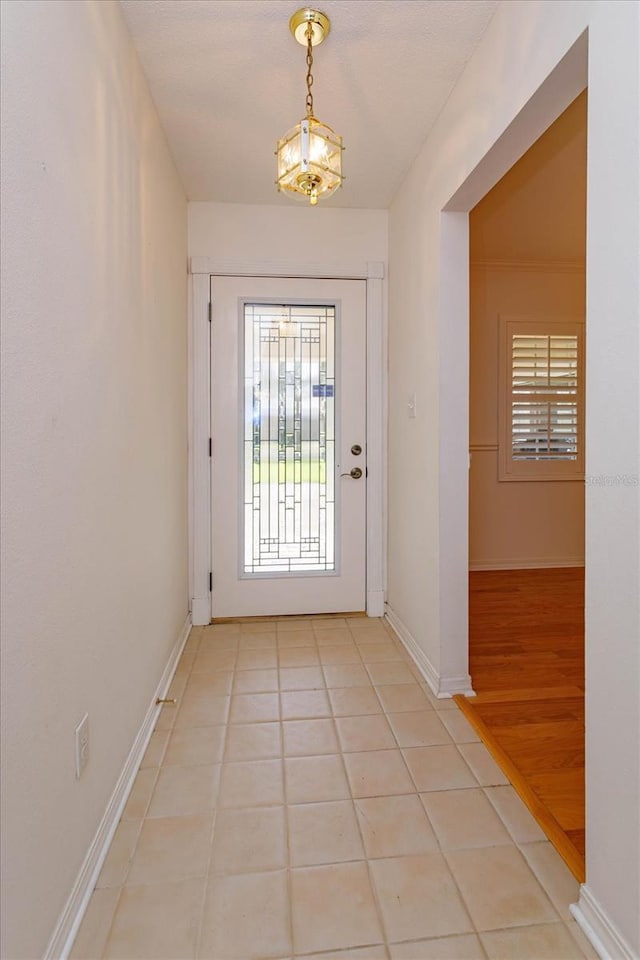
<point>288,422</point>
<point>289,439</point>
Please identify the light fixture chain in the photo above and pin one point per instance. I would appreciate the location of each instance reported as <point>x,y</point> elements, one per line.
<point>309,100</point>
<point>309,156</point>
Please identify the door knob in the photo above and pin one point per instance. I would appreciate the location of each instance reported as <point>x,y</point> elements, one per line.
<point>356,473</point>
<point>356,449</point>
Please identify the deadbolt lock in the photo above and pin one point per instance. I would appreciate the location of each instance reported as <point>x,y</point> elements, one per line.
<point>356,449</point>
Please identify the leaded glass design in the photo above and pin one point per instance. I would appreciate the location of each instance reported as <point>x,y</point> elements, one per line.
<point>289,439</point>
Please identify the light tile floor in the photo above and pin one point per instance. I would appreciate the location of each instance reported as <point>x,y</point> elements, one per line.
<point>309,797</point>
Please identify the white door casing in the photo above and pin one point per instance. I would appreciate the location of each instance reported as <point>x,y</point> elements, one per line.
<point>202,268</point>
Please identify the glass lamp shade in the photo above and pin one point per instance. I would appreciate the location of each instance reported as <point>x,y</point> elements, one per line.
<point>310,161</point>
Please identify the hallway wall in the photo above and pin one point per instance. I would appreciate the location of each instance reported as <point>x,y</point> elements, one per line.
<point>527,240</point>
<point>428,462</point>
<point>94,433</point>
<point>287,238</point>
<point>513,525</point>
<point>286,231</point>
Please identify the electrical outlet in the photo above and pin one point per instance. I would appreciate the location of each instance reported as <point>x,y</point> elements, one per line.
<point>411,406</point>
<point>82,745</point>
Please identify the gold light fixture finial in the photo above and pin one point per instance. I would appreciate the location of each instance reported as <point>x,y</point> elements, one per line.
<point>310,155</point>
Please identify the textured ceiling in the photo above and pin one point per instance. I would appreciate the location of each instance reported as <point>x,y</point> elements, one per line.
<point>227,78</point>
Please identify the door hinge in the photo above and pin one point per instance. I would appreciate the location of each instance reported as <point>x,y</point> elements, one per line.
<point>209,311</point>
<point>210,446</point>
<point>210,582</point>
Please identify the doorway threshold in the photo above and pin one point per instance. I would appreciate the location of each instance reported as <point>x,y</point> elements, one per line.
<point>352,614</point>
<point>573,857</point>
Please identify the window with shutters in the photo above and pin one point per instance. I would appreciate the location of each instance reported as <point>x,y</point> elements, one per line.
<point>541,408</point>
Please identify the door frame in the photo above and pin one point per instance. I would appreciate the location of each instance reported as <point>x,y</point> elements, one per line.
<point>201,559</point>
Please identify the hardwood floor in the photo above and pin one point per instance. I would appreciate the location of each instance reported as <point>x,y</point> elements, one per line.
<point>526,654</point>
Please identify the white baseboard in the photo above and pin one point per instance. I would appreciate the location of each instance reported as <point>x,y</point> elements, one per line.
<point>451,686</point>
<point>442,687</point>
<point>69,921</point>
<point>201,611</point>
<point>375,603</point>
<point>603,935</point>
<point>533,563</point>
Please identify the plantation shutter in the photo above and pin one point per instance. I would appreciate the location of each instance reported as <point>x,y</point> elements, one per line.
<point>541,400</point>
<point>544,397</point>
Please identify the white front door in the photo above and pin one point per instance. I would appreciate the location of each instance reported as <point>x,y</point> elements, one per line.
<point>288,395</point>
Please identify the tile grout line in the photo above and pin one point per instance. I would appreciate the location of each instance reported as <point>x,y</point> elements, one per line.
<point>142,820</point>
<point>207,876</point>
<point>435,833</point>
<point>113,918</point>
<point>463,899</point>
<point>440,850</point>
<point>558,918</point>
<point>285,797</point>
<point>370,878</point>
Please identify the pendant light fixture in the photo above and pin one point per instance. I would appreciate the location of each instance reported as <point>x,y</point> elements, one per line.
<point>309,155</point>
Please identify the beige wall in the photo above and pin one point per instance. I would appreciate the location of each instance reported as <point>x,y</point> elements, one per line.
<point>502,102</point>
<point>516,524</point>
<point>537,211</point>
<point>527,239</point>
<point>286,233</point>
<point>286,238</point>
<point>94,561</point>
